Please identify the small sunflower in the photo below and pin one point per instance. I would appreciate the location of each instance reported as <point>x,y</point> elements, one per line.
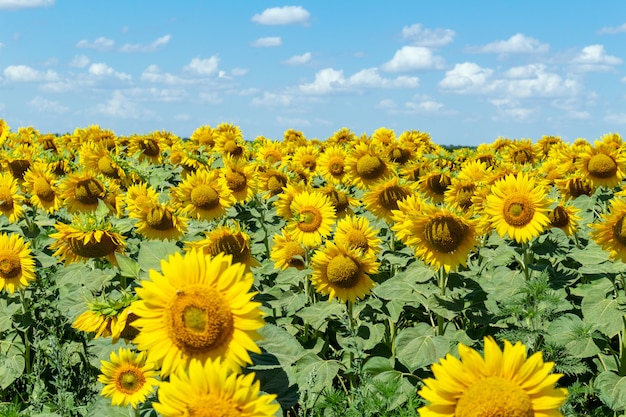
<point>140,197</point>
<point>197,307</point>
<point>4,131</point>
<point>229,141</point>
<point>573,185</point>
<point>149,148</point>
<point>460,192</point>
<point>331,164</point>
<point>306,157</point>
<point>518,207</point>
<point>10,200</point>
<point>272,181</point>
<point>341,199</point>
<point>313,218</point>
<point>17,265</point>
<point>287,253</point>
<point>521,152</point>
<point>204,136</point>
<point>383,197</point>
<point>283,203</point>
<point>201,195</point>
<point>98,158</point>
<point>159,221</point>
<point>603,165</point>
<point>366,165</point>
<point>82,191</point>
<point>41,184</point>
<point>343,137</point>
<point>213,388</point>
<point>240,177</point>
<point>435,184</point>
<point>565,217</point>
<point>343,273</point>
<point>271,153</point>
<point>383,137</point>
<point>355,232</point>
<point>610,231</point>
<point>502,382</point>
<point>127,378</point>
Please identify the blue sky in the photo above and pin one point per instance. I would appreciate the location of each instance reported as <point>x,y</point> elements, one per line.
<point>465,72</point>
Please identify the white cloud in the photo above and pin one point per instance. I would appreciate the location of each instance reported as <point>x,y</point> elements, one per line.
<point>329,80</point>
<point>157,44</point>
<point>287,15</point>
<point>427,37</point>
<point>424,106</point>
<point>370,78</point>
<point>387,104</point>
<point>594,58</point>
<point>410,58</point>
<point>24,4</point>
<point>267,42</point>
<point>166,95</point>
<point>100,44</point>
<point>292,122</point>
<point>79,61</point>
<point>299,59</point>
<point>326,80</point>
<point>119,106</point>
<point>43,105</point>
<point>103,70</point>
<point>153,74</point>
<point>466,77</point>
<point>617,118</point>
<point>516,44</point>
<point>535,81</point>
<point>273,100</point>
<point>578,115</point>
<point>23,73</point>
<point>611,30</point>
<point>200,66</point>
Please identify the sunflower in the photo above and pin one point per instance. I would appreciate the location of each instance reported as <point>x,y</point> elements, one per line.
<point>313,218</point>
<point>287,253</point>
<point>158,221</point>
<point>140,197</point>
<point>213,388</point>
<point>343,137</point>
<point>383,197</point>
<point>518,207</point>
<point>127,378</point>
<point>610,231</point>
<point>460,192</point>
<point>565,217</point>
<point>435,184</point>
<point>204,136</point>
<point>572,186</point>
<point>355,232</point>
<point>306,157</point>
<point>201,195</point>
<point>41,184</point>
<point>366,165</point>
<point>230,240</point>
<point>10,200</point>
<point>271,153</point>
<point>440,237</point>
<point>331,164</point>
<point>283,203</point>
<point>521,152</point>
<point>98,158</point>
<point>503,382</point>
<point>108,317</point>
<point>85,238</point>
<point>198,307</point>
<point>343,273</point>
<point>403,217</point>
<point>340,198</point>
<point>383,137</point>
<point>149,148</point>
<point>546,144</point>
<point>17,265</point>
<point>603,165</point>
<point>82,191</point>
<point>4,131</point>
<point>272,181</point>
<point>239,176</point>
<point>229,141</point>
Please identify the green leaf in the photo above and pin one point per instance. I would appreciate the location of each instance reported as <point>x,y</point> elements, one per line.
<point>417,347</point>
<point>604,311</point>
<point>281,344</point>
<point>102,407</point>
<point>11,359</point>
<point>314,374</point>
<point>318,314</point>
<point>151,252</point>
<point>592,254</point>
<point>128,266</point>
<point>612,390</point>
<point>578,337</point>
<point>6,314</point>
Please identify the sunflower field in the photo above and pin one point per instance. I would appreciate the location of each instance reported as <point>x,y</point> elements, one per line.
<point>378,274</point>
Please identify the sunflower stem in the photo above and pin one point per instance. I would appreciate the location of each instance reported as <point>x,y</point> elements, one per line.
<point>25,308</point>
<point>527,259</point>
<point>442,277</point>
<point>352,326</point>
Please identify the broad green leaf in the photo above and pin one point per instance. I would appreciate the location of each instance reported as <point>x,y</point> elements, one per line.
<point>612,390</point>
<point>578,337</point>
<point>102,407</point>
<point>376,365</point>
<point>592,254</point>
<point>152,252</point>
<point>128,266</point>
<point>417,347</point>
<point>6,314</point>
<point>11,359</point>
<point>318,314</point>
<point>314,375</point>
<point>281,344</point>
<point>604,311</point>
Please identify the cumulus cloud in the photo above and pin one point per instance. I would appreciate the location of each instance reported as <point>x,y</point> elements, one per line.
<point>329,80</point>
<point>516,44</point>
<point>24,73</point>
<point>595,58</point>
<point>432,38</point>
<point>299,59</point>
<point>103,70</point>
<point>44,105</point>
<point>410,58</point>
<point>154,74</point>
<point>24,4</point>
<point>79,61</point>
<point>267,42</point>
<point>273,100</point>
<point>287,15</point>
<point>466,77</point>
<point>151,47</point>
<point>611,30</point>
<point>208,66</point>
<point>100,44</point>
<point>119,106</point>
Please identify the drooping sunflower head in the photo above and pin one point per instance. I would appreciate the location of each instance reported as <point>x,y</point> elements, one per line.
<point>82,191</point>
<point>240,177</point>
<point>341,199</point>
<point>383,196</point>
<point>197,307</point>
<point>202,196</point>
<point>610,231</point>
<point>565,217</point>
<point>158,221</point>
<point>287,253</point>
<point>501,382</point>
<point>17,265</point>
<point>331,164</point>
<point>343,273</point>
<point>603,165</point>
<point>313,218</point>
<point>356,232</point>
<point>546,144</point>
<point>460,192</point>
<point>41,184</point>
<point>518,207</point>
<point>574,185</point>
<point>366,165</point>
<point>435,184</point>
<point>107,317</point>
<point>10,199</point>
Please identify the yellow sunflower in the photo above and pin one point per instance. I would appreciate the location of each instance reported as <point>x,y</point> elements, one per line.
<point>518,207</point>
<point>547,143</point>
<point>500,383</point>
<point>440,237</point>
<point>228,239</point>
<point>574,185</point>
<point>340,198</point>
<point>202,196</point>
<point>366,165</point>
<point>355,232</point>
<point>159,221</point>
<point>271,153</point>
<point>149,148</point>
<point>140,197</point>
<point>343,273</point>
<point>383,137</point>
<point>41,184</point>
<point>213,388</point>
<point>127,378</point>
<point>313,218</point>
<point>272,181</point>
<point>521,152</point>
<point>610,231</point>
<point>460,192</point>
<point>383,196</point>
<point>331,164</point>
<point>198,307</point>
<point>565,217</point>
<point>283,203</point>
<point>17,265</point>
<point>108,317</point>
<point>19,158</point>
<point>229,141</point>
<point>306,157</point>
<point>343,137</point>
<point>435,184</point>
<point>287,253</point>
<point>10,200</point>
<point>85,238</point>
<point>402,219</point>
<point>82,191</point>
<point>603,165</point>
<point>204,136</point>
<point>4,131</point>
<point>240,177</point>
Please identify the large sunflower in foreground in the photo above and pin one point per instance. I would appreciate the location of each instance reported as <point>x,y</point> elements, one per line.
<point>10,200</point>
<point>343,273</point>
<point>518,207</point>
<point>17,265</point>
<point>610,231</point>
<point>198,307</point>
<point>212,389</point>
<point>127,378</point>
<point>313,218</point>
<point>500,383</point>
<point>603,165</point>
